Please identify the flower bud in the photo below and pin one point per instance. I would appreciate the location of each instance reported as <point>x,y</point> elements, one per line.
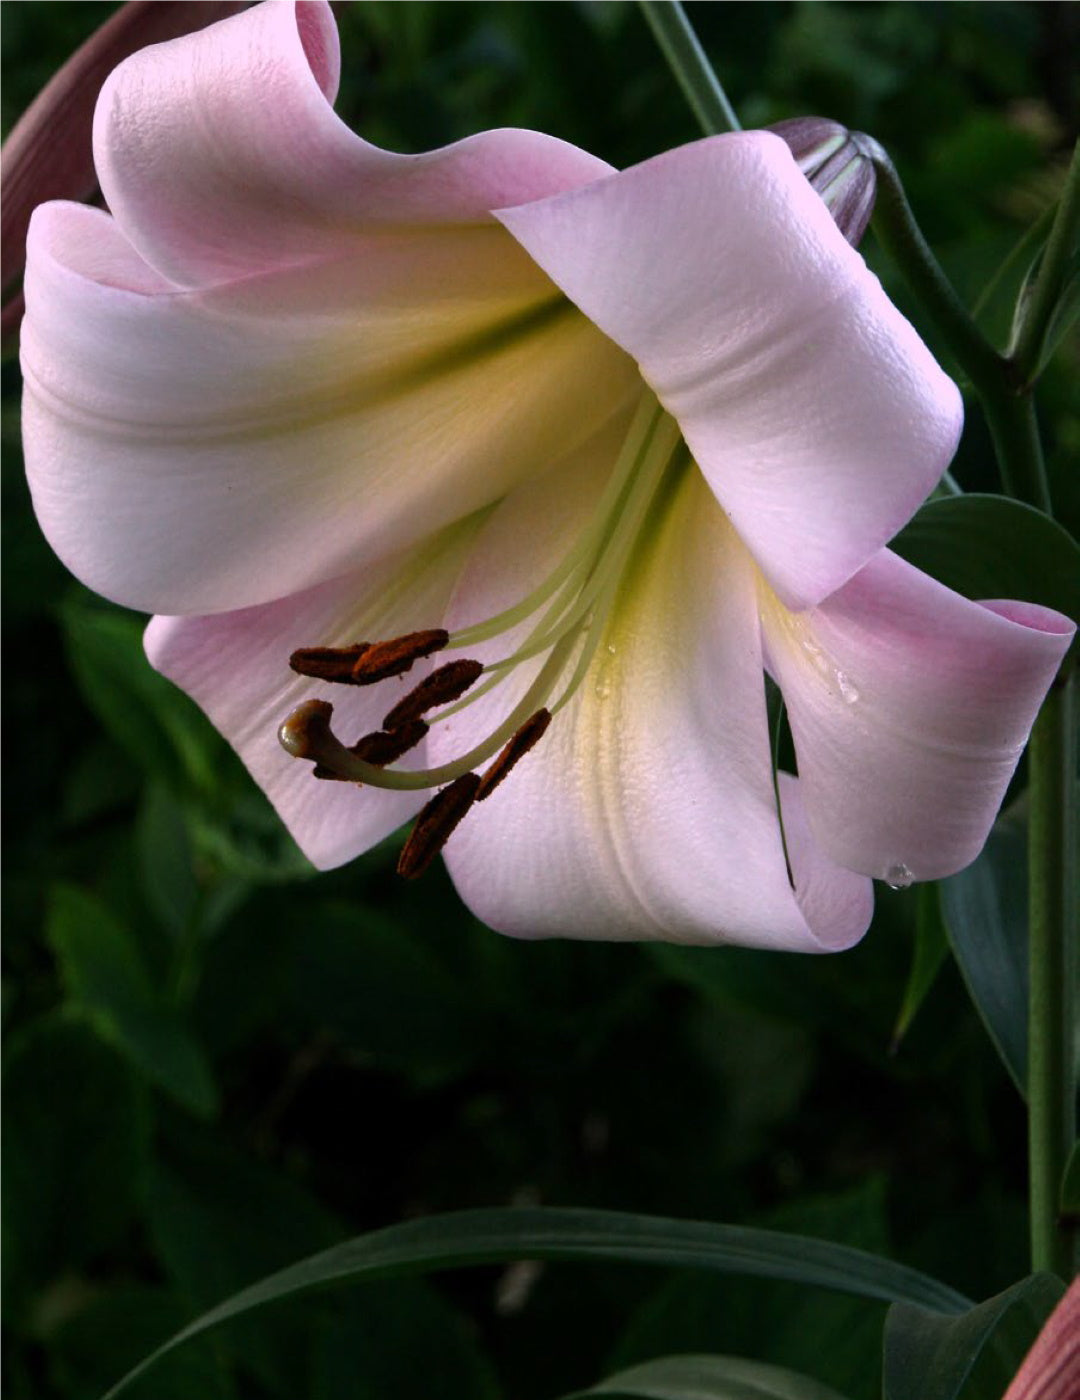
<point>840,166</point>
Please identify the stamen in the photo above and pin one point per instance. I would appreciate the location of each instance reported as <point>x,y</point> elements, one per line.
<point>381,749</point>
<point>442,686</point>
<point>378,749</point>
<point>328,663</point>
<point>397,655</point>
<point>306,733</point>
<point>435,824</point>
<point>529,734</point>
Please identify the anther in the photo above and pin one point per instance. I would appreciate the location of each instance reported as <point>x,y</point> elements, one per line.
<point>328,663</point>
<point>435,824</point>
<point>382,748</point>
<point>391,658</point>
<point>439,688</point>
<point>514,749</point>
<point>306,732</point>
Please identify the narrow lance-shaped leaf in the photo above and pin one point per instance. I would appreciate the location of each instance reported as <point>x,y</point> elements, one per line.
<point>708,1378</point>
<point>494,1236</point>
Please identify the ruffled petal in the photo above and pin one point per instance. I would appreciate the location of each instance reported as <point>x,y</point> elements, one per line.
<point>204,451</point>
<point>909,707</point>
<point>647,809</point>
<point>220,155</point>
<point>818,417</point>
<point>236,667</point>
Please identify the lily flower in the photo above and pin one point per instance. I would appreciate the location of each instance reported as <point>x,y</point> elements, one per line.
<point>623,441</point>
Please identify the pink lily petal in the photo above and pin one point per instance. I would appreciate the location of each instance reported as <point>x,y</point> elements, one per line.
<point>220,155</point>
<point>816,414</point>
<point>235,666</point>
<point>48,153</point>
<point>1051,1369</point>
<point>647,809</point>
<point>910,707</point>
<point>203,451</point>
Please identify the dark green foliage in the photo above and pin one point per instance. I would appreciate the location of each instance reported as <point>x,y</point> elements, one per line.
<point>218,1062</point>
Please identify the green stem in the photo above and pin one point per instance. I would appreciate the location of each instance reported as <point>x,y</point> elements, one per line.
<point>1054,272</point>
<point>1015,431</point>
<point>700,85</point>
<point>1054,936</point>
<point>1009,411</point>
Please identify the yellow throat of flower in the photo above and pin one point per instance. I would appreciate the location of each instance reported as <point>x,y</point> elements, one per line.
<point>571,608</point>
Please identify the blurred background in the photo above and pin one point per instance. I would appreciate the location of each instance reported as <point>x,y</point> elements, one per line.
<point>218,1062</point>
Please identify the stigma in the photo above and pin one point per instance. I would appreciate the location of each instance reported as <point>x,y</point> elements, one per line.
<point>557,629</point>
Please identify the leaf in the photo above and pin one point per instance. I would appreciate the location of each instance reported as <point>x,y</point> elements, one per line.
<point>1061,323</point>
<point>1070,1183</point>
<point>76,1144</point>
<point>113,1329</point>
<point>218,1220</point>
<point>834,1336</point>
<point>147,716</point>
<point>104,977</point>
<point>370,1351</point>
<point>972,1357</point>
<point>931,949</point>
<point>709,1378</point>
<point>985,912</point>
<point>495,1236</point>
<point>993,547</point>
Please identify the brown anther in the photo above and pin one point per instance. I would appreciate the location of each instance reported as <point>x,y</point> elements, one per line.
<point>381,749</point>
<point>306,732</point>
<point>328,663</point>
<point>321,771</point>
<point>514,749</point>
<point>442,686</point>
<point>435,825</point>
<point>391,658</point>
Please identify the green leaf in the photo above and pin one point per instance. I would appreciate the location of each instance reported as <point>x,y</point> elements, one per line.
<point>833,1336</point>
<point>104,977</point>
<point>495,1236</point>
<point>76,1144</point>
<point>218,1220</point>
<point>931,949</point>
<point>113,1330</point>
<point>370,1351</point>
<point>1064,318</point>
<point>985,912</point>
<point>993,547</point>
<point>1070,1184</point>
<point>709,1378</point>
<point>147,716</point>
<point>973,1357</point>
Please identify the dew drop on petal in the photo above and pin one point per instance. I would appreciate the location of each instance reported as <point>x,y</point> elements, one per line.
<point>849,691</point>
<point>898,876</point>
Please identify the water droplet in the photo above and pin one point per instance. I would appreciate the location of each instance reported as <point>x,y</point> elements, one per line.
<point>849,691</point>
<point>898,876</point>
<point>816,655</point>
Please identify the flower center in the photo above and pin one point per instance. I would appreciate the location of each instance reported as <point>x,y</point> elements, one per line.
<point>568,611</point>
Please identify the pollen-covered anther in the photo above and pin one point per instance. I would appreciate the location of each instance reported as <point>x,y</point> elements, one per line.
<point>329,663</point>
<point>378,749</point>
<point>439,688</point>
<point>513,750</point>
<point>306,733</point>
<point>391,658</point>
<point>382,748</point>
<point>436,824</point>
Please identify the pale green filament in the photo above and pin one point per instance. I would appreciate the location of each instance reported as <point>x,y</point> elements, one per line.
<point>579,595</point>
